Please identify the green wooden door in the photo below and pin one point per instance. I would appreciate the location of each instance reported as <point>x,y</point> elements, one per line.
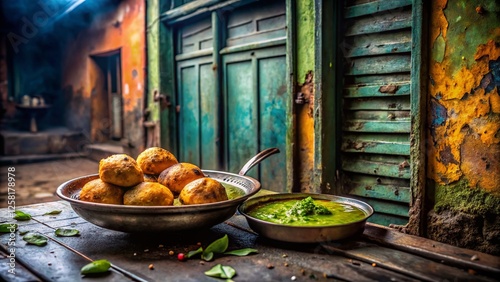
<point>376,126</point>
<point>198,101</point>
<point>223,127</point>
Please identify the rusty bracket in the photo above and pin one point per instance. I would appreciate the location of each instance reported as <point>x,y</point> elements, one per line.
<point>163,99</point>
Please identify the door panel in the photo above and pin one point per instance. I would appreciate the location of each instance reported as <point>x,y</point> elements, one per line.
<point>255,91</point>
<point>209,114</point>
<point>199,114</point>
<point>189,115</point>
<point>272,95</point>
<point>242,131</point>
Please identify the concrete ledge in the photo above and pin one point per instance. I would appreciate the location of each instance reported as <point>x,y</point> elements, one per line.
<point>51,141</point>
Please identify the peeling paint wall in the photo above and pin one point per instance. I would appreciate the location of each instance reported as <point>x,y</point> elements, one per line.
<point>464,122</point>
<point>121,29</point>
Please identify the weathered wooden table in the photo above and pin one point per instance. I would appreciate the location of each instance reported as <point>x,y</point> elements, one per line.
<point>380,254</point>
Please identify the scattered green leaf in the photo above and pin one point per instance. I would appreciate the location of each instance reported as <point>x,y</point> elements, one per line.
<point>23,232</point>
<point>64,232</point>
<point>241,252</point>
<point>54,212</point>
<point>218,246</point>
<point>35,239</point>
<point>195,252</point>
<point>21,216</point>
<point>8,227</point>
<point>97,266</point>
<point>221,271</point>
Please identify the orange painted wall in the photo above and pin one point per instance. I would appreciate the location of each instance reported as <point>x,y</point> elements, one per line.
<point>464,124</point>
<point>122,28</point>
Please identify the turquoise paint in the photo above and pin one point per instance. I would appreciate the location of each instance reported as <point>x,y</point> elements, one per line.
<point>272,114</point>
<point>189,116</point>
<point>209,111</point>
<point>242,130</point>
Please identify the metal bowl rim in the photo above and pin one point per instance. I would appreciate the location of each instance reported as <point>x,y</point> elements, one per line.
<point>281,196</point>
<point>159,209</point>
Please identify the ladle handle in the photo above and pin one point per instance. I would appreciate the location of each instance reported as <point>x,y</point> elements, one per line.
<point>257,159</point>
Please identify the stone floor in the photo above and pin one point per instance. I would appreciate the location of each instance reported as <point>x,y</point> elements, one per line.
<point>37,182</point>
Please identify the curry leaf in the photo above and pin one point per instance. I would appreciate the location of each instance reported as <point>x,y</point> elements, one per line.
<point>21,216</point>
<point>221,271</point>
<point>63,232</point>
<point>97,266</point>
<point>54,212</point>
<point>8,227</point>
<point>35,239</point>
<point>217,246</point>
<point>195,252</point>
<point>241,252</point>
<point>207,256</point>
<point>23,232</point>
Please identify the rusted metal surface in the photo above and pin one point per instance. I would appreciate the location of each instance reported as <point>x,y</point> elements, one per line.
<point>380,254</point>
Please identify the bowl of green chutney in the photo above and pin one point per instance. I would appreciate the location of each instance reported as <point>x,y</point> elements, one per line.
<point>305,217</point>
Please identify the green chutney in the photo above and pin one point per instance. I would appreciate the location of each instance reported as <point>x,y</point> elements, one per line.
<point>307,212</point>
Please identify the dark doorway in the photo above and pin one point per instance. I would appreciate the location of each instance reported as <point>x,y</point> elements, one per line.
<point>109,95</point>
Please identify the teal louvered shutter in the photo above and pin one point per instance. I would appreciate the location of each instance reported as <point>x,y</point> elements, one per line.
<point>376,112</point>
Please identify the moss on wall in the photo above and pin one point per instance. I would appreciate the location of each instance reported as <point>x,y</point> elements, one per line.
<point>463,148</point>
<point>459,197</point>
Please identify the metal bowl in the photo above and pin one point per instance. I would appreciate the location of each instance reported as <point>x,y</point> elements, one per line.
<point>136,219</point>
<point>304,234</point>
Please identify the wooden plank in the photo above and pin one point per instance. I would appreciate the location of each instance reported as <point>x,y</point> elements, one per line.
<point>388,219</point>
<point>379,23</point>
<point>18,272</point>
<point>253,38</point>
<point>359,144</point>
<point>383,64</point>
<point>401,262</point>
<point>397,103</point>
<point>254,45</point>
<point>189,139</point>
<point>242,130</point>
<point>419,86</point>
<point>272,113</point>
<point>393,89</point>
<point>209,119</point>
<point>187,9</point>
<point>381,115</point>
<point>376,126</point>
<point>378,191</point>
<point>377,44</point>
<point>383,79</point>
<point>434,250</point>
<point>374,7</point>
<point>386,207</point>
<point>291,82</point>
<point>194,55</point>
<point>375,168</point>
